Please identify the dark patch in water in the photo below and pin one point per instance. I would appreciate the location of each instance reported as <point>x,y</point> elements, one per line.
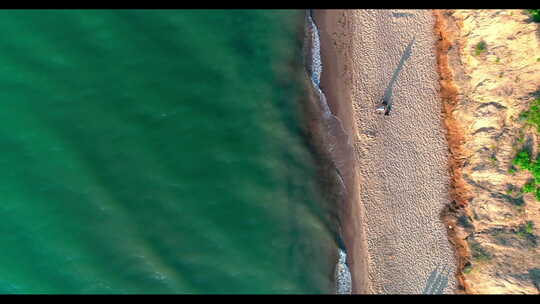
<point>333,142</point>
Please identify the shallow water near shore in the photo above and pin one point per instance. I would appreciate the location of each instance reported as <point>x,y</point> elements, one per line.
<point>157,152</point>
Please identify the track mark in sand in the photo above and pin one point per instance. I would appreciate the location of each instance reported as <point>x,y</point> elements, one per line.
<point>401,15</point>
<point>486,130</point>
<point>387,98</point>
<point>437,281</point>
<point>489,109</point>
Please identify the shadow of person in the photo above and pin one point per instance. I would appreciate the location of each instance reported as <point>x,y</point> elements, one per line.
<point>387,98</point>
<point>437,281</point>
<point>535,277</point>
<point>400,15</point>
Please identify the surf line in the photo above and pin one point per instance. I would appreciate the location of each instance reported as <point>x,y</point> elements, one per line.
<point>336,131</point>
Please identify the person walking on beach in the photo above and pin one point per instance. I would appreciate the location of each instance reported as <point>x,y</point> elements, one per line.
<point>384,108</point>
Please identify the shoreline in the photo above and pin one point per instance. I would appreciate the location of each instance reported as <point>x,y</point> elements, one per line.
<point>351,214</point>
<point>334,145</point>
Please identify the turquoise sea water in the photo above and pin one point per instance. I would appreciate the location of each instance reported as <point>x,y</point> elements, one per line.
<point>156,152</point>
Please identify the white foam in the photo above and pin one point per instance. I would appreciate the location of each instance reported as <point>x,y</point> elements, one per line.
<point>343,275</point>
<point>338,148</point>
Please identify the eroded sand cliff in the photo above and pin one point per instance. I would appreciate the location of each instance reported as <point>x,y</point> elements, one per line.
<point>489,62</point>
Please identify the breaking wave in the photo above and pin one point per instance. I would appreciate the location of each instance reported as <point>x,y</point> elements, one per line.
<point>334,139</point>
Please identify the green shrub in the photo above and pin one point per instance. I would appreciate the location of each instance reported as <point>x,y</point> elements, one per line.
<point>479,253</point>
<point>535,170</point>
<point>522,160</point>
<point>532,116</point>
<point>529,227</point>
<point>480,48</point>
<point>535,14</point>
<point>529,187</point>
<point>526,230</point>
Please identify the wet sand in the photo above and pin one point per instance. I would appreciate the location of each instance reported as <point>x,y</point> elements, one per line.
<point>393,234</point>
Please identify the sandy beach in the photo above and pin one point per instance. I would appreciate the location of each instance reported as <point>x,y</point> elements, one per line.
<point>395,238</point>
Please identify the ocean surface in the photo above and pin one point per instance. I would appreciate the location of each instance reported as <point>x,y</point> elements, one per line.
<point>157,152</point>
